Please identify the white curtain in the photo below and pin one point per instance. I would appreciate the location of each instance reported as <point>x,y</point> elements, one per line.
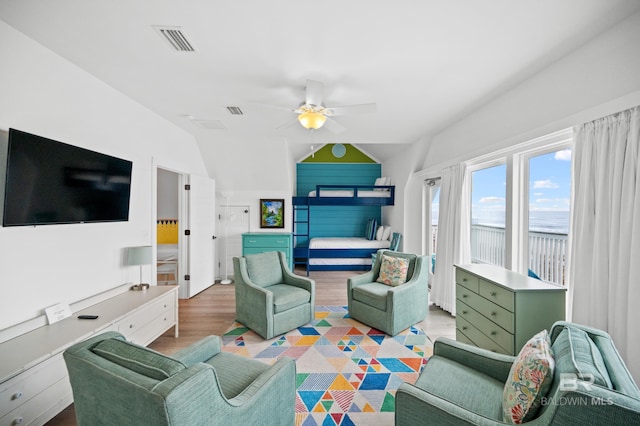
<point>454,233</point>
<point>605,234</point>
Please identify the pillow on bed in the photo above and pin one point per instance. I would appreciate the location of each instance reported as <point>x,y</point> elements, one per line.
<point>382,181</point>
<point>387,233</point>
<point>372,227</point>
<point>380,233</point>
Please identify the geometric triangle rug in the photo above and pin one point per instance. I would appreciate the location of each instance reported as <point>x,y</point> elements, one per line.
<point>347,373</point>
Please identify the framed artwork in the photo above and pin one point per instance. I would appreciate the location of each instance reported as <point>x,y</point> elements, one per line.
<point>271,213</point>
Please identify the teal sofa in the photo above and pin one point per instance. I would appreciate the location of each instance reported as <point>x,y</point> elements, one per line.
<point>386,308</point>
<point>463,384</point>
<point>270,299</point>
<point>115,382</point>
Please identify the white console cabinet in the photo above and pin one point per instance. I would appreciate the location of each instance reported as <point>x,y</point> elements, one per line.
<point>34,384</point>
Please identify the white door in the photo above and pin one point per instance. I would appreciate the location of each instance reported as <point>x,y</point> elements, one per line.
<point>233,222</point>
<point>201,226</point>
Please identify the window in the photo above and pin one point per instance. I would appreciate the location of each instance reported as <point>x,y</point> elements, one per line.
<point>520,202</point>
<point>548,214</point>
<point>488,214</point>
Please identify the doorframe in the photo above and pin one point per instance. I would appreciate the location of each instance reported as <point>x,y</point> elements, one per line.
<point>183,202</point>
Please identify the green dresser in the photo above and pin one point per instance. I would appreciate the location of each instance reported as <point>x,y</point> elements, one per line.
<point>500,310</point>
<point>259,242</point>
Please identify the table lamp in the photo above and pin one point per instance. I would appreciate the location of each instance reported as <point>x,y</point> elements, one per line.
<point>139,256</point>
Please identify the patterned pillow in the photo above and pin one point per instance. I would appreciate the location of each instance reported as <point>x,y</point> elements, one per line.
<point>529,380</point>
<point>393,270</point>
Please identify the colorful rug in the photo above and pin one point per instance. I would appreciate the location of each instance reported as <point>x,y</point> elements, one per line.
<point>347,372</point>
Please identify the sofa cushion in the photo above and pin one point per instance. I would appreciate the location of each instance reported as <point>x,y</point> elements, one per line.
<point>235,373</point>
<point>138,358</point>
<point>393,270</point>
<point>529,380</point>
<point>577,354</point>
<point>286,297</point>
<point>264,269</point>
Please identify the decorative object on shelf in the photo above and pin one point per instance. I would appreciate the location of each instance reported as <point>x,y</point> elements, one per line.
<point>271,213</point>
<point>141,255</point>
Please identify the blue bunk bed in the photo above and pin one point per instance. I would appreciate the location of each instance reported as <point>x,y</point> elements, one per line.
<point>341,246</point>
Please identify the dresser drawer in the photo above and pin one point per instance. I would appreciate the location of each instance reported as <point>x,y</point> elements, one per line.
<point>467,280</point>
<point>20,389</point>
<point>258,250</point>
<point>497,294</point>
<point>130,325</point>
<point>486,308</point>
<point>51,400</point>
<point>478,338</point>
<point>273,241</point>
<point>489,328</point>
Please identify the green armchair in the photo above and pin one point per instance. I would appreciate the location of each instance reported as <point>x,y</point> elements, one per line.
<point>270,299</point>
<point>463,384</point>
<point>388,308</point>
<point>116,382</point>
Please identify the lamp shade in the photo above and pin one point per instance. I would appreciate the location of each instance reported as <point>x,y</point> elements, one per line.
<point>311,120</point>
<point>139,255</point>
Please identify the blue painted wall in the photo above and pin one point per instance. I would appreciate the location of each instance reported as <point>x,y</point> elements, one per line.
<point>335,221</point>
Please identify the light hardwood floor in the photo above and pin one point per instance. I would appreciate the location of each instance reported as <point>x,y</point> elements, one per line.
<point>213,312</point>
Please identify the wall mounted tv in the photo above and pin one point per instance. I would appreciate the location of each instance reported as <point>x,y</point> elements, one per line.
<point>50,182</point>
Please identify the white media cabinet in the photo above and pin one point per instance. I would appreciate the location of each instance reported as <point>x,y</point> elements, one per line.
<point>34,384</point>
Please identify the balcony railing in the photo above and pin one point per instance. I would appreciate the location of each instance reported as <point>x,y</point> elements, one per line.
<point>547,251</point>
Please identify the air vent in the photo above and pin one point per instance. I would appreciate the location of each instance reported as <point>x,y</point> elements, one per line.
<point>234,110</point>
<point>209,124</point>
<point>176,37</point>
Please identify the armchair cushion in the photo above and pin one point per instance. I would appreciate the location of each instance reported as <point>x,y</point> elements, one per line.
<point>138,358</point>
<point>264,269</point>
<point>286,297</point>
<point>372,294</point>
<point>529,380</point>
<point>393,270</point>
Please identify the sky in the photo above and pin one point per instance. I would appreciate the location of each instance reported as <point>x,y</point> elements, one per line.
<point>549,188</point>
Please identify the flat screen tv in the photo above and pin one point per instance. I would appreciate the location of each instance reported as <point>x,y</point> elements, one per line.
<point>50,182</point>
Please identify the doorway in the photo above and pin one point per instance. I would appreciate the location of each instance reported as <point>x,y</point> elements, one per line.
<point>167,226</point>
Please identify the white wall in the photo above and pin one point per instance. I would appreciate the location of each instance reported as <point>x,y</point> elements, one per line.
<point>600,78</point>
<point>44,94</point>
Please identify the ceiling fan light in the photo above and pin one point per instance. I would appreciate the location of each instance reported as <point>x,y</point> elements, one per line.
<point>311,120</point>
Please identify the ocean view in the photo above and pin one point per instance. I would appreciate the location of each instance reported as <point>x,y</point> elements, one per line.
<point>555,222</point>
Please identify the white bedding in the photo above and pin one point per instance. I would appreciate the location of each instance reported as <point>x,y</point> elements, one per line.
<point>347,243</point>
<point>167,251</point>
<point>349,193</point>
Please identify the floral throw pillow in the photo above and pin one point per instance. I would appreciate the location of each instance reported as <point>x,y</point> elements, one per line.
<point>529,380</point>
<point>393,270</point>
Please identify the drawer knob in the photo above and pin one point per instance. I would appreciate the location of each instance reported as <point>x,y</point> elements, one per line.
<point>493,314</point>
<point>17,421</point>
<point>16,395</point>
<point>493,333</point>
<point>493,294</point>
<point>464,327</point>
<point>464,312</point>
<point>165,305</point>
<point>464,280</point>
<point>464,295</point>
<point>131,326</point>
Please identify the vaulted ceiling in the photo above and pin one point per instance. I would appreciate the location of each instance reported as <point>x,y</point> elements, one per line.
<point>425,63</point>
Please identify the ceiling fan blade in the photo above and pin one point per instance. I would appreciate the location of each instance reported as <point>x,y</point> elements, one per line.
<point>314,91</point>
<point>352,109</point>
<point>333,126</point>
<point>279,108</point>
<point>288,124</point>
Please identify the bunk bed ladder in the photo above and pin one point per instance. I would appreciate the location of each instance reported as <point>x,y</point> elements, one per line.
<point>301,213</point>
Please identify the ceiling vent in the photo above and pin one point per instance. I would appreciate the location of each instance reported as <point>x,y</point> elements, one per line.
<point>234,110</point>
<point>176,37</point>
<point>209,124</point>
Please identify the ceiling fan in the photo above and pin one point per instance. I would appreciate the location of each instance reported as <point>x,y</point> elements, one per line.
<point>312,114</point>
